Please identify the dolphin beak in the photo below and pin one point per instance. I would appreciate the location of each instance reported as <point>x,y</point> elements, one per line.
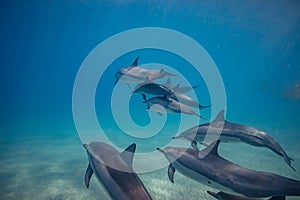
<point>158,149</point>
<point>85,146</point>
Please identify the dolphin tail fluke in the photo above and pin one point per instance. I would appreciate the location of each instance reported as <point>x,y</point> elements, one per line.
<point>171,171</point>
<point>88,174</point>
<point>288,160</point>
<point>203,107</point>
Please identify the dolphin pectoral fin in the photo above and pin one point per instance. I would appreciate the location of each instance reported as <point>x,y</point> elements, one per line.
<point>171,171</point>
<point>88,174</point>
<point>116,81</point>
<point>148,80</point>
<point>128,85</point>
<point>128,153</point>
<point>213,194</point>
<point>160,114</point>
<point>277,198</point>
<point>194,145</point>
<point>144,98</point>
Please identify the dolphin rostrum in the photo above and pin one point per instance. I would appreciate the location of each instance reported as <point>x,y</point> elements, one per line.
<point>135,74</point>
<point>227,196</point>
<point>209,168</point>
<point>121,184</point>
<point>233,132</point>
<point>169,105</point>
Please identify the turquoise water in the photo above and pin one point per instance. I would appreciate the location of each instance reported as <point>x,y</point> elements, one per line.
<point>254,44</point>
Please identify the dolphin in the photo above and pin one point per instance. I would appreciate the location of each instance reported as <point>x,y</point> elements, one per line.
<point>135,74</point>
<point>179,88</point>
<point>169,105</point>
<point>183,98</point>
<point>121,185</point>
<point>209,168</point>
<point>152,88</point>
<point>227,196</point>
<point>233,132</point>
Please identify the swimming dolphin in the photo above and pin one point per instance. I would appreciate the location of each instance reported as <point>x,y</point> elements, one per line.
<point>233,132</point>
<point>152,88</point>
<point>169,105</point>
<point>137,74</point>
<point>121,185</point>
<point>179,88</point>
<point>183,98</point>
<point>209,168</point>
<point>227,196</point>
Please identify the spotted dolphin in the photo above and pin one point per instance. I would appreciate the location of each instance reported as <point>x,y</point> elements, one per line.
<point>209,168</point>
<point>121,185</point>
<point>168,105</point>
<point>233,132</point>
<point>136,74</point>
<point>227,196</point>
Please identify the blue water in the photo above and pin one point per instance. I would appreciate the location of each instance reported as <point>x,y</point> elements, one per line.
<point>254,44</point>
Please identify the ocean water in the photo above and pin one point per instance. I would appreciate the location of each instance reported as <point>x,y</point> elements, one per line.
<point>255,46</point>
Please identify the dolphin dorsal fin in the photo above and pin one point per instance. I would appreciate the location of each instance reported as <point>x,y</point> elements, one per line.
<point>211,149</point>
<point>168,82</point>
<point>135,63</point>
<point>220,117</point>
<point>128,153</point>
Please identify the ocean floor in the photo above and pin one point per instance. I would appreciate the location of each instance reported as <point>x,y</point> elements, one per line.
<point>53,167</point>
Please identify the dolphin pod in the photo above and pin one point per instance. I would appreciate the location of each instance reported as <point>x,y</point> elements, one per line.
<point>135,74</point>
<point>233,181</point>
<point>227,196</point>
<point>219,173</point>
<point>233,132</point>
<point>121,185</point>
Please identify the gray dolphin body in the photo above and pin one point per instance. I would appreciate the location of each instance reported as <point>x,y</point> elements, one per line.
<point>121,185</point>
<point>219,173</point>
<point>169,105</point>
<point>135,74</point>
<point>152,88</point>
<point>227,196</point>
<point>233,132</point>
<point>179,88</point>
<point>183,98</point>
